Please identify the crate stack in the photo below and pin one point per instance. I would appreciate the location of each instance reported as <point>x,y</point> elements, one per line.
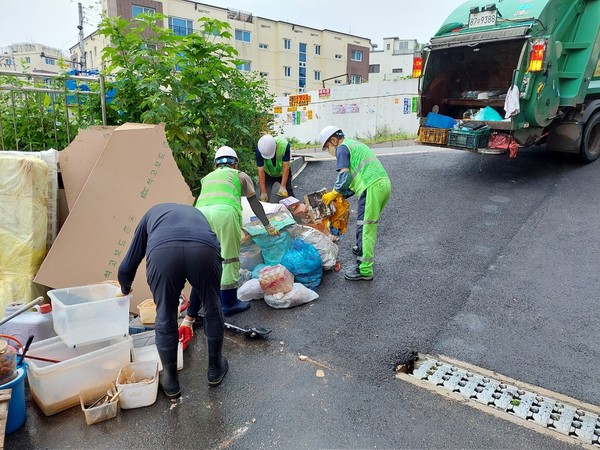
<point>436,129</point>
<point>91,346</point>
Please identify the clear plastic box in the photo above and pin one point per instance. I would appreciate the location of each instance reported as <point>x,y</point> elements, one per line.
<point>87,314</point>
<point>96,414</point>
<point>55,386</point>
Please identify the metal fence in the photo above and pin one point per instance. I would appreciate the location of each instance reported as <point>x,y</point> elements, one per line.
<point>40,111</point>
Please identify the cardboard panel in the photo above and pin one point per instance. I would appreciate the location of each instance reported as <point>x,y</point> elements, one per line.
<point>135,171</point>
<point>79,158</point>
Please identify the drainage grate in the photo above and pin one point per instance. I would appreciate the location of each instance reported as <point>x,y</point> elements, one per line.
<point>497,394</point>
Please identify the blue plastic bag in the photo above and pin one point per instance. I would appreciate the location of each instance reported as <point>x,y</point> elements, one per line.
<point>273,247</point>
<point>304,261</point>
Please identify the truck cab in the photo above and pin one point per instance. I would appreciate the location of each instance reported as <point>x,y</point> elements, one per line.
<point>545,50</point>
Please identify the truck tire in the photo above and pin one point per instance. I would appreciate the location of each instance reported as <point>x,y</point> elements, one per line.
<point>590,142</point>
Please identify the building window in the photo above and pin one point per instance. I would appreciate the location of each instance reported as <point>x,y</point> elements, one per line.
<point>355,79</point>
<point>287,44</point>
<point>211,31</point>
<point>387,46</point>
<point>264,46</point>
<point>138,10</point>
<point>242,35</point>
<point>287,71</point>
<point>27,60</point>
<point>374,68</point>
<point>317,75</point>
<point>181,27</point>
<point>338,56</point>
<point>338,81</point>
<point>302,66</point>
<point>9,62</point>
<point>317,49</point>
<point>245,66</point>
<point>356,55</point>
<point>49,61</point>
<point>396,70</point>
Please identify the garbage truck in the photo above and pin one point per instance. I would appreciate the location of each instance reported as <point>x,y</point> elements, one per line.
<point>527,69</point>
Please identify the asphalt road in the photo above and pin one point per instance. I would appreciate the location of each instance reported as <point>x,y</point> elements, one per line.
<point>480,258</point>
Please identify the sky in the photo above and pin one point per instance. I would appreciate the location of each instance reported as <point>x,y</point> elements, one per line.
<point>54,22</point>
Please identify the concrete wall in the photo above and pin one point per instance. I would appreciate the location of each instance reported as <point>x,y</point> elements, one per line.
<point>361,110</point>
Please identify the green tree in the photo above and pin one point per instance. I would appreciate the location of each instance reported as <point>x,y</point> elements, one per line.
<point>191,84</point>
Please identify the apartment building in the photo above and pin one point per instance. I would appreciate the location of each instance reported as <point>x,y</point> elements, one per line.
<point>32,58</point>
<point>292,57</point>
<point>394,61</point>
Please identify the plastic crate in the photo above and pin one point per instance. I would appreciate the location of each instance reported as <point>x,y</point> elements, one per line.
<point>56,386</point>
<point>433,135</point>
<point>88,314</point>
<point>469,139</point>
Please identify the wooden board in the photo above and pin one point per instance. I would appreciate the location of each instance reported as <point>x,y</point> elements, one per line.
<point>5,395</point>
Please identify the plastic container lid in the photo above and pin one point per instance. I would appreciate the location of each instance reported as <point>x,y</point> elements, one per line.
<point>45,308</point>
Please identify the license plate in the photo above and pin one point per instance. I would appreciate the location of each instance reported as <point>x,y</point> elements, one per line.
<point>483,19</point>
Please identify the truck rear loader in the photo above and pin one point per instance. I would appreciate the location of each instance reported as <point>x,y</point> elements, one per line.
<point>547,49</point>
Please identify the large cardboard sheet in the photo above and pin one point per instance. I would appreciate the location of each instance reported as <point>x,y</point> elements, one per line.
<point>79,158</point>
<point>135,171</point>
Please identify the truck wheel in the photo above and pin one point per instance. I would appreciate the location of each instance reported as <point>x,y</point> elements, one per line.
<point>590,142</point>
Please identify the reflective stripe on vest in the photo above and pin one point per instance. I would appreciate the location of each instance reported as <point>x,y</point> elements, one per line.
<point>221,187</point>
<point>365,168</point>
<point>277,169</point>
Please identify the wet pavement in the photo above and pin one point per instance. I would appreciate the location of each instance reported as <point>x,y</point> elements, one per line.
<point>481,258</point>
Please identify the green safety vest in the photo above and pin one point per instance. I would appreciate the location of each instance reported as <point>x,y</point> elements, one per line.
<point>365,168</point>
<point>221,187</point>
<point>277,169</point>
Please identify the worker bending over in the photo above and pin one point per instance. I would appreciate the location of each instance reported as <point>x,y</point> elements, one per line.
<point>273,161</point>
<point>179,245</point>
<point>220,202</point>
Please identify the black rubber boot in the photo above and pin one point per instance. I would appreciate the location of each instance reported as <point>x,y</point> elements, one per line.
<point>169,380</point>
<point>230,303</point>
<point>217,363</point>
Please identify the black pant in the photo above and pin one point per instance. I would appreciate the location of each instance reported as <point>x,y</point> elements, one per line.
<point>168,266</point>
<point>270,181</point>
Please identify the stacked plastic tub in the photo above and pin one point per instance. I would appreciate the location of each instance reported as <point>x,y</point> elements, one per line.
<point>91,346</point>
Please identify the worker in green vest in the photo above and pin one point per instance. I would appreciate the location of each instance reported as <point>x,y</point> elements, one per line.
<point>220,202</point>
<point>360,173</point>
<point>273,161</point>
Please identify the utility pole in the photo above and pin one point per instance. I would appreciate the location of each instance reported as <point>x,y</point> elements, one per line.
<point>81,47</point>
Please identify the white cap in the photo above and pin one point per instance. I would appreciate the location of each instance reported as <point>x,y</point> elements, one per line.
<point>267,146</point>
<point>326,133</point>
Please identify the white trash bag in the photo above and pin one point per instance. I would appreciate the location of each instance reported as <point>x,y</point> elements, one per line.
<point>299,295</point>
<point>250,290</point>
<point>327,249</point>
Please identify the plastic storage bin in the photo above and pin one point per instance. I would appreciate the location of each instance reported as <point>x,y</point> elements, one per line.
<point>97,414</point>
<point>470,139</point>
<point>56,386</point>
<point>144,349</point>
<point>147,311</point>
<point>433,135</point>
<point>88,314</point>
<point>138,383</point>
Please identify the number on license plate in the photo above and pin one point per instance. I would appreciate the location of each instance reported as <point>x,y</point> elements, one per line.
<point>482,19</point>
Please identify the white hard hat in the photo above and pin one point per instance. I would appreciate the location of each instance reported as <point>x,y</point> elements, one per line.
<point>267,146</point>
<point>326,133</point>
<point>225,152</point>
